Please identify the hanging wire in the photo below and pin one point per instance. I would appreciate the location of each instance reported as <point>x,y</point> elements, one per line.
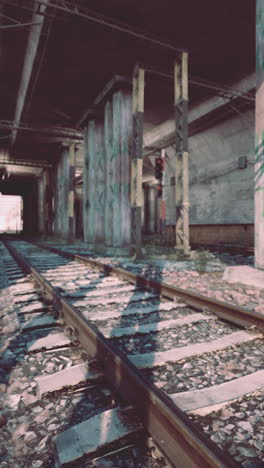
<point>16,26</point>
<point>200,82</point>
<point>113,23</point>
<point>5,137</point>
<point>243,116</point>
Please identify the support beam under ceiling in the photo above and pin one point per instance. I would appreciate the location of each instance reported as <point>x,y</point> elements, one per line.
<point>30,55</point>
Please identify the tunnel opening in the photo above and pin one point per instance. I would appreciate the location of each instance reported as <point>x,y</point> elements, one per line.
<point>11,213</point>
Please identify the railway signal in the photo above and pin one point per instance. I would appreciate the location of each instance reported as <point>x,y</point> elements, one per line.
<point>159,168</point>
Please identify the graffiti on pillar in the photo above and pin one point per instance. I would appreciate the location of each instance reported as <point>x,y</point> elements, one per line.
<point>259,173</point>
<point>100,187</point>
<point>259,165</point>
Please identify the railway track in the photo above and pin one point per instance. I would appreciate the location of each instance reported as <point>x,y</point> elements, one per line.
<point>163,350</point>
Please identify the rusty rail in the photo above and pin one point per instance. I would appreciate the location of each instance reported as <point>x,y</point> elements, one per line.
<point>183,444</point>
<point>229,312</point>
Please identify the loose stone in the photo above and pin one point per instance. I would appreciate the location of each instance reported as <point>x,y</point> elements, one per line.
<point>247,452</point>
<point>3,420</point>
<point>246,426</point>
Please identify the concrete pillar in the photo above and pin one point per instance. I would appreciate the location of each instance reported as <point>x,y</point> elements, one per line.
<point>137,163</point>
<point>259,165</point>
<point>151,210</point>
<point>56,201</point>
<point>94,183</point>
<point>122,113</point>
<point>41,203</point>
<point>90,183</point>
<point>116,162</point>
<point>181,145</point>
<point>114,175</point>
<point>157,211</point>
<point>61,196</point>
<point>107,157</point>
<point>85,202</point>
<point>64,192</point>
<point>48,212</point>
<point>71,193</point>
<point>146,209</point>
<point>109,174</point>
<point>99,183</point>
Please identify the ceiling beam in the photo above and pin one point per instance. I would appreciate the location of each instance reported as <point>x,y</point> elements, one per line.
<point>62,132</point>
<point>30,55</point>
<point>24,163</point>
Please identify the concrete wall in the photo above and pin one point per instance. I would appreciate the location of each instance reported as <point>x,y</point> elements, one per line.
<point>233,234</point>
<point>220,192</point>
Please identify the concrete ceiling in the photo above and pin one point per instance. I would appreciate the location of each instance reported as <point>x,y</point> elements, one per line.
<point>77,55</point>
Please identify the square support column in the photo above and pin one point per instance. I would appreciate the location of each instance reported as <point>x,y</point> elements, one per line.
<point>99,182</point>
<point>85,190</point>
<point>45,211</point>
<point>61,198</point>
<point>41,204</point>
<point>91,184</point>
<point>71,194</point>
<point>48,210</point>
<point>109,174</point>
<point>137,163</point>
<point>107,156</point>
<point>94,183</point>
<point>259,162</point>
<point>121,105</point>
<point>182,172</point>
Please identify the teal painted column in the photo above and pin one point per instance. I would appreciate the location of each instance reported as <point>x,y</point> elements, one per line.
<point>85,192</point>
<point>99,183</point>
<point>94,183</point>
<point>64,214</point>
<point>71,194</point>
<point>61,195</point>
<point>121,158</point>
<point>259,162</point>
<point>90,183</point>
<point>109,174</point>
<point>125,152</point>
<point>41,203</point>
<point>107,158</point>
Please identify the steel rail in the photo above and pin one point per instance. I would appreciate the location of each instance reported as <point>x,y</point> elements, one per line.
<point>229,312</point>
<point>182,443</point>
